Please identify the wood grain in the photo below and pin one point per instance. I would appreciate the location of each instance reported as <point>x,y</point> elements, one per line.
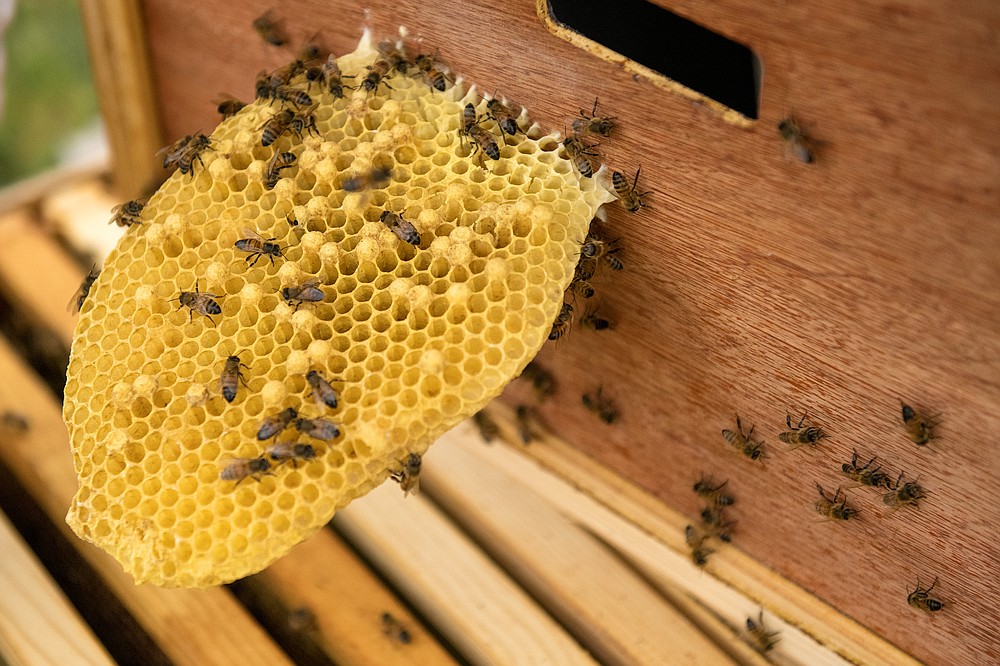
<point>38,626</point>
<point>755,284</point>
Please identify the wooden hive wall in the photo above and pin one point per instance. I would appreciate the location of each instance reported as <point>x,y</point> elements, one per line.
<point>755,284</point>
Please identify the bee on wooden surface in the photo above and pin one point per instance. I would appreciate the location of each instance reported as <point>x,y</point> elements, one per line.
<point>81,293</point>
<point>395,629</point>
<point>269,29</point>
<point>761,639</point>
<point>919,426</point>
<point>754,450</point>
<point>232,377</point>
<point>278,162</point>
<point>602,407</point>
<point>201,302</point>
<point>696,542</point>
<point>408,477</point>
<point>127,214</point>
<point>798,436</point>
<point>318,428</point>
<point>403,229</point>
<point>276,424</point>
<point>631,200</point>
<point>832,508</point>
<point>579,153</point>
<point>705,489</point>
<point>921,598</point>
<point>541,380</point>
<point>796,140</point>
<point>427,64</point>
<point>372,179</point>
<point>585,269</point>
<point>332,77</point>
<point>866,475</point>
<point>239,469</point>
<point>488,429</point>
<point>294,95</point>
<point>395,55</point>
<point>593,124</point>
<point>593,321</point>
<point>503,116</point>
<point>257,246</point>
<point>562,322</point>
<point>282,452</point>
<point>526,424</point>
<point>227,105</point>
<point>581,288</point>
<point>306,292</point>
<point>598,250</point>
<point>377,72</point>
<point>304,121</point>
<point>275,126</point>
<point>321,390</point>
<point>712,517</point>
<point>903,494</point>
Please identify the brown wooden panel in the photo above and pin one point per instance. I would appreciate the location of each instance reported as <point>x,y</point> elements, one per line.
<point>754,283</point>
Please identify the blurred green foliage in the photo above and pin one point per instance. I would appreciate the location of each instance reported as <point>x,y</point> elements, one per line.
<point>49,91</point>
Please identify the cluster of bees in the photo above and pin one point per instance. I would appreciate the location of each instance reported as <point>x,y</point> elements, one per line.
<point>713,522</point>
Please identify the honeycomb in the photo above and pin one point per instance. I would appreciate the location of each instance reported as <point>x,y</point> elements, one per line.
<point>412,338</point>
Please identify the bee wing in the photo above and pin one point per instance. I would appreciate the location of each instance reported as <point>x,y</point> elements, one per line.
<point>311,283</point>
<point>251,234</point>
<point>73,307</point>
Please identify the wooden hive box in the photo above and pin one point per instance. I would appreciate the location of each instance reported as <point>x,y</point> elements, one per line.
<point>754,284</point>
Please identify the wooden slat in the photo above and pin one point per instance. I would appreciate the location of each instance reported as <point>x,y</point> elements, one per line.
<point>325,580</point>
<point>610,609</point>
<point>38,626</point>
<point>485,615</point>
<point>651,537</point>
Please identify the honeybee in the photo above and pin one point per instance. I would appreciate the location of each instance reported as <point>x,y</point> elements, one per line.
<point>481,140</point>
<point>228,106</point>
<point>304,121</point>
<point>503,116</point>
<point>631,200</point>
<point>272,33</point>
<point>395,629</point>
<point>258,246</point>
<point>562,322</point>
<point>232,377</point>
<point>798,436</point>
<point>318,428</point>
<point>278,162</point>
<point>371,179</point>
<point>866,475</point>
<point>832,508</point>
<point>903,494</point>
<point>696,541</point>
<point>282,452</point>
<point>603,408</point>
<point>593,124</point>
<point>525,423</point>
<point>579,153</point>
<point>796,139</point>
<point>275,126</point>
<point>921,598</point>
<point>239,469</point>
<point>427,64</point>
<point>184,152</point>
<point>541,379</point>
<point>745,443</point>
<point>275,425</point>
<point>306,292</point>
<point>403,229</point>
<point>80,295</point>
<point>585,269</point>
<point>469,117</point>
<point>321,390</point>
<point>703,488</point>
<point>488,429</point>
<point>201,302</point>
<point>395,55</point>
<point>581,288</point>
<point>712,517</point>
<point>333,78</point>
<point>377,71</point>
<point>408,477</point>
<point>761,639</point>
<point>595,322</point>
<point>127,214</point>
<point>264,86</point>
<point>919,426</point>
<point>296,96</point>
